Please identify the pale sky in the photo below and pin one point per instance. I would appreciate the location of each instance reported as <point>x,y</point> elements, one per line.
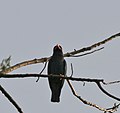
<point>31,28</point>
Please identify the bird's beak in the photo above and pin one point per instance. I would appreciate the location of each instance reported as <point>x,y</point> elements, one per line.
<point>58,46</point>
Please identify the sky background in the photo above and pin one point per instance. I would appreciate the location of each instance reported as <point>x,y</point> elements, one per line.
<point>30,29</point>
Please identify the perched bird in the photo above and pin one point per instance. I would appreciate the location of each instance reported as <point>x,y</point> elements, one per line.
<point>56,66</point>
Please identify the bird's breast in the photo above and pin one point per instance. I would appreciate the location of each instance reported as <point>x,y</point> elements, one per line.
<point>56,66</point>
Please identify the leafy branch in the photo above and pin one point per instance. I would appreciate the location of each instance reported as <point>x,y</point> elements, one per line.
<point>5,64</point>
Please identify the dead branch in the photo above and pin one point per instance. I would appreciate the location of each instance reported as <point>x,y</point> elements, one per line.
<point>111,110</point>
<point>10,99</point>
<point>25,63</point>
<point>92,46</point>
<point>105,92</point>
<point>113,82</point>
<point>97,81</point>
<point>115,106</point>
<point>88,52</point>
<point>42,71</point>
<point>46,76</point>
<point>68,54</point>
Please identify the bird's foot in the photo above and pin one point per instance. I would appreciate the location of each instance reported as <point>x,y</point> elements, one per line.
<point>61,76</point>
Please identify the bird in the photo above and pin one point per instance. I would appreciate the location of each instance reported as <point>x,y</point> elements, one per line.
<point>56,66</point>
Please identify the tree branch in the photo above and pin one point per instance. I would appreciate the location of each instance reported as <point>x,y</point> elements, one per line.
<point>97,81</point>
<point>113,82</point>
<point>45,76</point>
<point>104,91</point>
<point>42,71</point>
<point>92,46</point>
<point>25,63</point>
<point>10,99</point>
<point>68,54</point>
<point>111,110</point>
<point>88,53</point>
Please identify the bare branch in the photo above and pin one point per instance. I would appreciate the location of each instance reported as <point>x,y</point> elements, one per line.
<point>43,68</point>
<point>97,81</point>
<point>25,63</point>
<point>111,110</point>
<point>115,107</point>
<point>45,76</point>
<point>10,99</point>
<point>92,46</point>
<point>42,71</point>
<point>113,82</point>
<point>69,54</point>
<point>104,91</point>
<point>88,52</point>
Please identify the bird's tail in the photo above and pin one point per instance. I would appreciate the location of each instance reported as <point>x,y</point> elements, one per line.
<point>55,96</point>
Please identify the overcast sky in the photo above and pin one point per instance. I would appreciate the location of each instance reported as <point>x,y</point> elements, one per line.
<point>31,28</point>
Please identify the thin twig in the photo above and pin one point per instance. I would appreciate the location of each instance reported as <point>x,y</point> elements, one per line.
<point>105,92</point>
<point>111,110</point>
<point>88,52</point>
<point>42,71</point>
<point>115,106</point>
<point>10,99</point>
<point>113,82</point>
<point>68,54</point>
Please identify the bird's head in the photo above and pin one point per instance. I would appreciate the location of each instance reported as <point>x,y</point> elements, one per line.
<point>57,50</point>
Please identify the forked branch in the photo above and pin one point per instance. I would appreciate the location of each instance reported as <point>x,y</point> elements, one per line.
<point>110,110</point>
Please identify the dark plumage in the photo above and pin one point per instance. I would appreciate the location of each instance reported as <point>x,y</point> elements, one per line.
<point>56,66</point>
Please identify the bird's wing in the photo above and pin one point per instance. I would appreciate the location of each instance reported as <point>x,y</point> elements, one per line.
<point>64,67</point>
<point>49,67</point>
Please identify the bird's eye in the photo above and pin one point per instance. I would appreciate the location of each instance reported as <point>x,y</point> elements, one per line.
<point>55,47</point>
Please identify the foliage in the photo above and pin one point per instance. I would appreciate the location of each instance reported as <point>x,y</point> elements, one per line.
<point>5,63</point>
